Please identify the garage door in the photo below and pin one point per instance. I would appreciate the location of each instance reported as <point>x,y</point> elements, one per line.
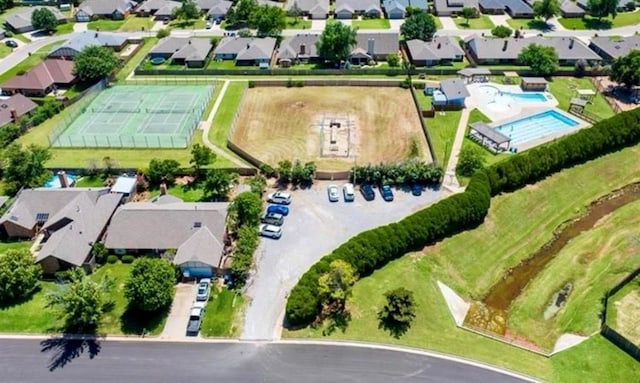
<point>197,272</point>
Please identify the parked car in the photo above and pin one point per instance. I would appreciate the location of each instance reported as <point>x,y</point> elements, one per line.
<point>270,231</point>
<point>279,209</point>
<point>195,319</point>
<point>367,192</point>
<point>11,44</point>
<point>208,25</point>
<point>386,192</point>
<point>348,192</point>
<point>332,191</point>
<point>276,219</point>
<point>202,291</point>
<point>416,189</point>
<point>166,21</point>
<point>279,197</point>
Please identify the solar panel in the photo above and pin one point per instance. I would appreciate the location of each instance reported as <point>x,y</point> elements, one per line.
<point>42,217</point>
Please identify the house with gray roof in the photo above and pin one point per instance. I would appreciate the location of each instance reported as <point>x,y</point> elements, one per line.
<point>245,50</point>
<point>397,9</point>
<point>440,50</point>
<point>160,9</point>
<point>20,21</point>
<point>610,48</point>
<point>298,49</point>
<point>218,9</point>
<point>374,46</point>
<point>65,221</point>
<point>492,7</point>
<point>313,9</point>
<point>349,9</point>
<point>571,9</point>
<point>78,42</point>
<point>452,92</point>
<point>192,52</point>
<point>453,7</point>
<point>483,50</point>
<point>108,9</point>
<point>518,8</point>
<point>195,230</point>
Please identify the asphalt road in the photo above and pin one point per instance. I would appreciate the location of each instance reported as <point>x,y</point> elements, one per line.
<point>26,361</point>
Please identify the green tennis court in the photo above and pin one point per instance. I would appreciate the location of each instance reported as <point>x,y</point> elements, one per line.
<point>134,116</point>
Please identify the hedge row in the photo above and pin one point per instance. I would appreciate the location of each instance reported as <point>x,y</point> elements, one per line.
<point>373,249</point>
<point>243,254</point>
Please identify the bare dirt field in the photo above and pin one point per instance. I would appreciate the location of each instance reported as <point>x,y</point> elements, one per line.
<point>276,124</point>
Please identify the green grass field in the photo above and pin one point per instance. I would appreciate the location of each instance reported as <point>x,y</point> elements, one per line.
<point>442,131</point>
<point>105,25</point>
<point>29,62</point>
<point>226,113</point>
<point>63,29</point>
<point>371,24</point>
<point>482,22</point>
<point>221,316</point>
<point>623,19</point>
<point>10,245</point>
<point>563,88</point>
<point>527,24</point>
<point>135,24</point>
<point>299,24</point>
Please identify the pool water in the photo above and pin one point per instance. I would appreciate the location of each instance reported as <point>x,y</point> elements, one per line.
<point>536,126</point>
<point>526,97</point>
<point>493,95</point>
<point>54,181</point>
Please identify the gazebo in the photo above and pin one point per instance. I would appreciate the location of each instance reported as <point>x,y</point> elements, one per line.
<point>473,75</point>
<point>538,84</point>
<point>489,137</point>
<point>586,94</point>
<point>577,105</point>
<point>511,77</point>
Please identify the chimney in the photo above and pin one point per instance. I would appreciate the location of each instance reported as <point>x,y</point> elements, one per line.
<point>14,115</point>
<point>439,45</point>
<point>370,46</point>
<point>506,43</point>
<point>163,189</point>
<point>62,177</point>
<point>303,49</point>
<point>570,43</point>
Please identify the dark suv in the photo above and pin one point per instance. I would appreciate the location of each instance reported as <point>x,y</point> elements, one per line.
<point>367,192</point>
<point>386,192</point>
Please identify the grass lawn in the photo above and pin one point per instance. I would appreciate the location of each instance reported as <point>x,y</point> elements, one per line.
<point>188,24</point>
<point>528,24</point>
<point>563,88</point>
<point>5,50</point>
<point>371,24</point>
<point>105,25</point>
<point>19,245</point>
<point>90,182</point>
<point>593,262</point>
<point>29,316</point>
<point>623,19</point>
<point>299,24</point>
<point>134,24</point>
<point>28,63</point>
<point>482,22</point>
<point>623,311</point>
<point>22,38</point>
<point>186,194</point>
<point>226,64</point>
<point>222,314</point>
<point>65,28</point>
<point>442,131</point>
<point>223,119</point>
<point>136,59</point>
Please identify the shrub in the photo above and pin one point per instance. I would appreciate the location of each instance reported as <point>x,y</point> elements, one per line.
<point>162,33</point>
<point>19,276</point>
<point>501,31</point>
<point>149,285</point>
<point>411,171</point>
<point>112,259</point>
<point>128,258</point>
<point>393,60</point>
<point>243,254</point>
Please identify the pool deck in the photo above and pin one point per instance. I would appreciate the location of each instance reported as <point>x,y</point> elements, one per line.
<point>500,112</point>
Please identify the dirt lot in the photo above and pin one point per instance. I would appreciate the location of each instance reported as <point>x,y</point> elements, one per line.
<point>276,124</point>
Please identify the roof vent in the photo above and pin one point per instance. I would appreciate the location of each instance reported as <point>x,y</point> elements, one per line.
<point>197,224</point>
<point>4,106</point>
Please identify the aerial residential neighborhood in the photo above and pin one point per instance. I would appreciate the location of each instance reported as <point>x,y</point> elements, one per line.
<point>320,190</point>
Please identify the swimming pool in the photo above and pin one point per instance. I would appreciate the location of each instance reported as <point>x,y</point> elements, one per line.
<point>536,126</point>
<point>526,97</point>
<point>54,181</point>
<point>493,94</point>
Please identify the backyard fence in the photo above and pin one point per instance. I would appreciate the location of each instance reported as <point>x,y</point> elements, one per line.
<point>170,80</point>
<point>423,124</point>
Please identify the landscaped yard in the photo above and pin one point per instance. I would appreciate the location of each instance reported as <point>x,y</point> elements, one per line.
<point>8,245</point>
<point>226,64</point>
<point>528,24</point>
<point>105,25</point>
<point>564,89</point>
<point>473,261</point>
<point>4,50</point>
<point>188,24</point>
<point>65,28</point>
<point>623,19</point>
<point>136,24</point>
<point>371,24</point>
<point>482,22</point>
<point>221,316</point>
<point>29,62</point>
<point>301,23</point>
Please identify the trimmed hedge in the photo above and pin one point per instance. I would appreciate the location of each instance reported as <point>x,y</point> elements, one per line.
<point>372,249</point>
<point>112,259</point>
<point>128,258</point>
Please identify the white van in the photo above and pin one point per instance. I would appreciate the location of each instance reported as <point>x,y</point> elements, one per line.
<point>348,192</point>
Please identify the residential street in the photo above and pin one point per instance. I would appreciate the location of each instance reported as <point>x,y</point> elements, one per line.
<point>66,361</point>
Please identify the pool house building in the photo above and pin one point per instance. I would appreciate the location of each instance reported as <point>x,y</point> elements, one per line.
<point>488,137</point>
<point>533,84</point>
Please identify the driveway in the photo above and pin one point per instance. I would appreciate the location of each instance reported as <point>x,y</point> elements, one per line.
<point>313,228</point>
<point>176,325</point>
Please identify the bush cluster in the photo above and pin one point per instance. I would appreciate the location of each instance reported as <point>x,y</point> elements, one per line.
<point>398,173</point>
<point>128,258</point>
<point>373,249</point>
<point>12,131</point>
<point>112,259</point>
<point>243,254</point>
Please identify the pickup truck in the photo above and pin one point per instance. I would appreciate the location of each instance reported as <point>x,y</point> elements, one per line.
<point>195,319</point>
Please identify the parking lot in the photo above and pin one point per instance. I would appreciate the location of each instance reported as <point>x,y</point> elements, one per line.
<point>312,229</point>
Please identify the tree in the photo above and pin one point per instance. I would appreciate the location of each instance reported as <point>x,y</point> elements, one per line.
<point>80,302</point>
<point>100,252</point>
<point>201,156</point>
<point>162,33</point>
<point>43,18</point>
<point>240,14</point>
<point>468,13</point>
<point>546,9</point>
<point>257,184</point>
<point>470,160</point>
<point>94,62</point>
<point>19,276</point>
<point>6,4</point>
<point>268,20</point>
<point>421,26</point>
<point>626,69</point>
<point>109,165</point>
<point>24,166</point>
<point>398,313</point>
<point>285,171</point>
<point>303,174</point>
<point>295,12</point>
<point>603,8</point>
<point>501,31</point>
<point>218,184</point>
<point>187,11</point>
<point>162,171</point>
<point>246,208</point>
<point>393,60</point>
<point>149,285</point>
<point>334,287</point>
<point>336,41</point>
<point>542,60</point>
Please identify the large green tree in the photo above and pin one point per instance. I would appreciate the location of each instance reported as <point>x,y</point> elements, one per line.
<point>546,9</point>
<point>19,276</point>
<point>201,157</point>
<point>162,171</point>
<point>468,13</point>
<point>334,287</point>
<point>43,18</point>
<point>419,25</point>
<point>268,20</point>
<point>149,285</point>
<point>246,208</point>
<point>94,62</point>
<point>626,69</point>
<point>542,60</point>
<point>240,14</point>
<point>24,166</point>
<point>187,11</point>
<point>336,41</point>
<point>603,8</point>
<point>398,313</point>
<point>218,184</point>
<point>80,302</point>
